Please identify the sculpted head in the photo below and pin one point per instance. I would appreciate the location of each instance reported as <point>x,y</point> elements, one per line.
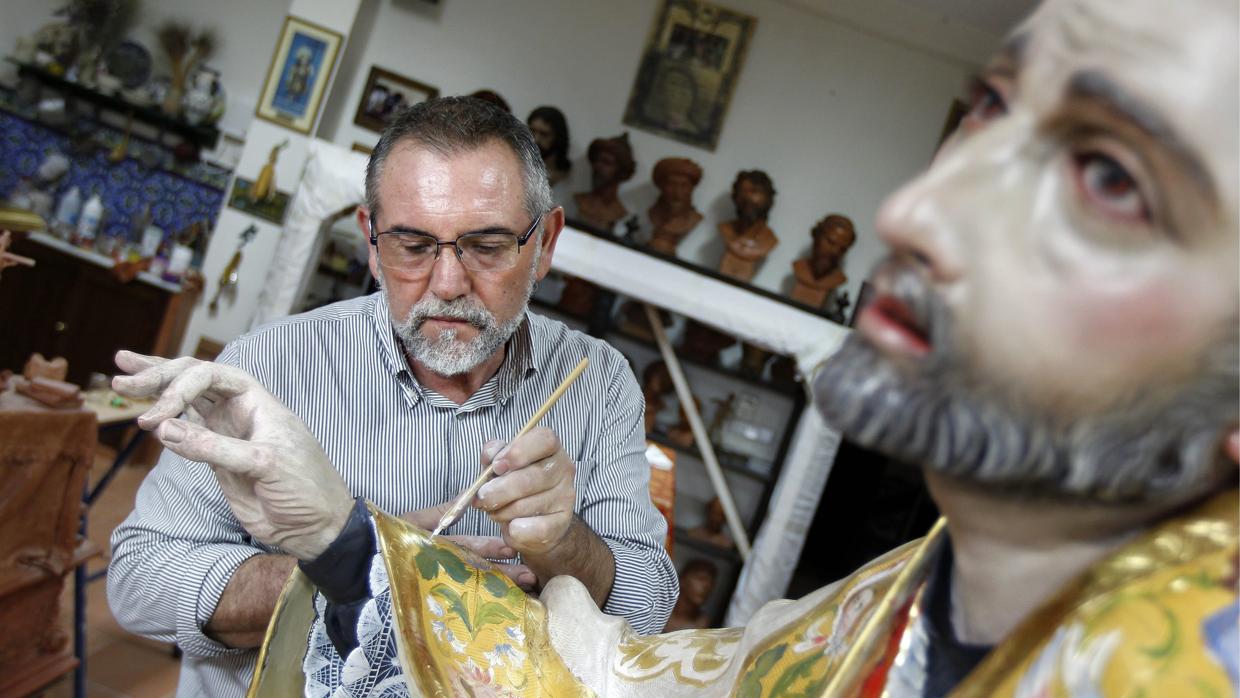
<point>1058,314</point>
<point>753,195</point>
<point>611,161</point>
<point>676,178</point>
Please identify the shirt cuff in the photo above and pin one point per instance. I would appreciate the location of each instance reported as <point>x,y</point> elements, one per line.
<point>342,572</point>
<point>644,587</point>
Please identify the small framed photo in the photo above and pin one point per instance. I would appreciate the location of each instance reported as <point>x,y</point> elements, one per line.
<point>300,69</point>
<point>385,94</point>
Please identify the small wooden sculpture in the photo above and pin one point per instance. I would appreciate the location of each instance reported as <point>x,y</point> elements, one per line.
<point>747,239</point>
<point>611,163</point>
<point>817,276</point>
<point>673,215</point>
<point>697,581</point>
<point>550,130</point>
<point>714,529</point>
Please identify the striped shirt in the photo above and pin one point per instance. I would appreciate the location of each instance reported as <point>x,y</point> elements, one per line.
<point>401,446</point>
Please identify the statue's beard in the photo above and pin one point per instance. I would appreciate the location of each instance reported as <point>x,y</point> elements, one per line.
<point>940,414</point>
<point>446,354</point>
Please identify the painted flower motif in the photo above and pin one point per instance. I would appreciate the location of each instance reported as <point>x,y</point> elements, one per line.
<point>434,606</point>
<point>504,653</point>
<point>445,634</point>
<point>458,646</point>
<point>475,674</point>
<point>515,633</point>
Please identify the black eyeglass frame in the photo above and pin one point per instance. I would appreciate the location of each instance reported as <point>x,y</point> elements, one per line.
<point>521,239</point>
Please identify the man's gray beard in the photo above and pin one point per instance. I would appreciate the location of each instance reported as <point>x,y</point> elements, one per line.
<point>446,355</point>
<point>1154,445</point>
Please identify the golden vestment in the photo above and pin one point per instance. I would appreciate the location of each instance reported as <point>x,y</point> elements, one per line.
<point>1158,617</point>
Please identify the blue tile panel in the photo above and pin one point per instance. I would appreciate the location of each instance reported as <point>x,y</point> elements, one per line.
<point>176,200</point>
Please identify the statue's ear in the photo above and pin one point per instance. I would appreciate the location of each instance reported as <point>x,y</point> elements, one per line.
<point>1231,445</point>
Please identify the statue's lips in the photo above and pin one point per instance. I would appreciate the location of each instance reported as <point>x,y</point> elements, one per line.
<point>890,325</point>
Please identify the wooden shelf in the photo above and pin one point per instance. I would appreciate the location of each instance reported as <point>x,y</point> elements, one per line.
<point>203,136</point>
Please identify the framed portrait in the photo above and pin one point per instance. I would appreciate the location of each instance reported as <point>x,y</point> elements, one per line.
<point>385,94</point>
<point>300,69</point>
<point>690,66</point>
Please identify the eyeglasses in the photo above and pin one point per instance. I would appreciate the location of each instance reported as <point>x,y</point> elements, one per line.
<point>413,254</point>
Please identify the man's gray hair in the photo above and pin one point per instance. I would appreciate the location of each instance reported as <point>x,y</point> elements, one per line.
<point>451,125</point>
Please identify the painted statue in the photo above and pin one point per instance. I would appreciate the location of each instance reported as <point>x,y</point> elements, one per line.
<point>1053,340</point>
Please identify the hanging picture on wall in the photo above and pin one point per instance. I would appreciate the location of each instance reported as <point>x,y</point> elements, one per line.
<point>297,79</point>
<point>385,94</point>
<point>692,60</point>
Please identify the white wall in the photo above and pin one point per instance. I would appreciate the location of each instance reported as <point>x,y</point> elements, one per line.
<point>247,30</point>
<point>839,100</point>
<point>835,113</point>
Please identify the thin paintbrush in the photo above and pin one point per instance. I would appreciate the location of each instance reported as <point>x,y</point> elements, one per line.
<point>468,495</point>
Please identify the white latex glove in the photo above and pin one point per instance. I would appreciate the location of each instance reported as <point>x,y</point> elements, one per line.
<point>272,471</point>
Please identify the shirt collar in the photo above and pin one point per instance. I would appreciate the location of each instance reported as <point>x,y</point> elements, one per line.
<point>389,348</point>
<point>523,354</point>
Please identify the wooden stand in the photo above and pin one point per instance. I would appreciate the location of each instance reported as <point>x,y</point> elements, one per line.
<point>45,456</point>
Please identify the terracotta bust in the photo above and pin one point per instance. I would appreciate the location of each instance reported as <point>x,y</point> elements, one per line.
<point>611,162</point>
<point>817,276</point>
<point>673,215</point>
<point>550,130</point>
<point>697,581</point>
<point>748,240</point>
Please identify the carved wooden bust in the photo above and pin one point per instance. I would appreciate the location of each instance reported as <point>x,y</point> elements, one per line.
<point>817,276</point>
<point>550,130</point>
<point>673,215</point>
<point>747,239</point>
<point>611,162</point>
<point>697,581</point>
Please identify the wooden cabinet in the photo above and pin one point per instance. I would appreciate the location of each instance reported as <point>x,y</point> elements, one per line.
<point>71,305</point>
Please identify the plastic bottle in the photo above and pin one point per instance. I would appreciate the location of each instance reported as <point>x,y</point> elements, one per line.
<point>88,223</point>
<point>67,211</point>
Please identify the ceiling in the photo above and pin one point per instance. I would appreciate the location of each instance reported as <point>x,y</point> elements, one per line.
<point>994,16</point>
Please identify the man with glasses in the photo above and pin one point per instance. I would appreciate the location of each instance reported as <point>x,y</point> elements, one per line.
<point>408,392</point>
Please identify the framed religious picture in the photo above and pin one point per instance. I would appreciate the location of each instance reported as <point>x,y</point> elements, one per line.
<point>384,95</point>
<point>690,66</point>
<point>297,79</point>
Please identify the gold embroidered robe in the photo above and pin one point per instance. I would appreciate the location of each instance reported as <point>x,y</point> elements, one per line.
<point>1156,618</point>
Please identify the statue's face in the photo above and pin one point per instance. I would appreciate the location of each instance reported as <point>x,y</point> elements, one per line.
<point>696,586</point>
<point>605,169</point>
<point>752,202</point>
<point>1068,264</point>
<point>677,191</point>
<point>544,136</point>
<point>832,243</point>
